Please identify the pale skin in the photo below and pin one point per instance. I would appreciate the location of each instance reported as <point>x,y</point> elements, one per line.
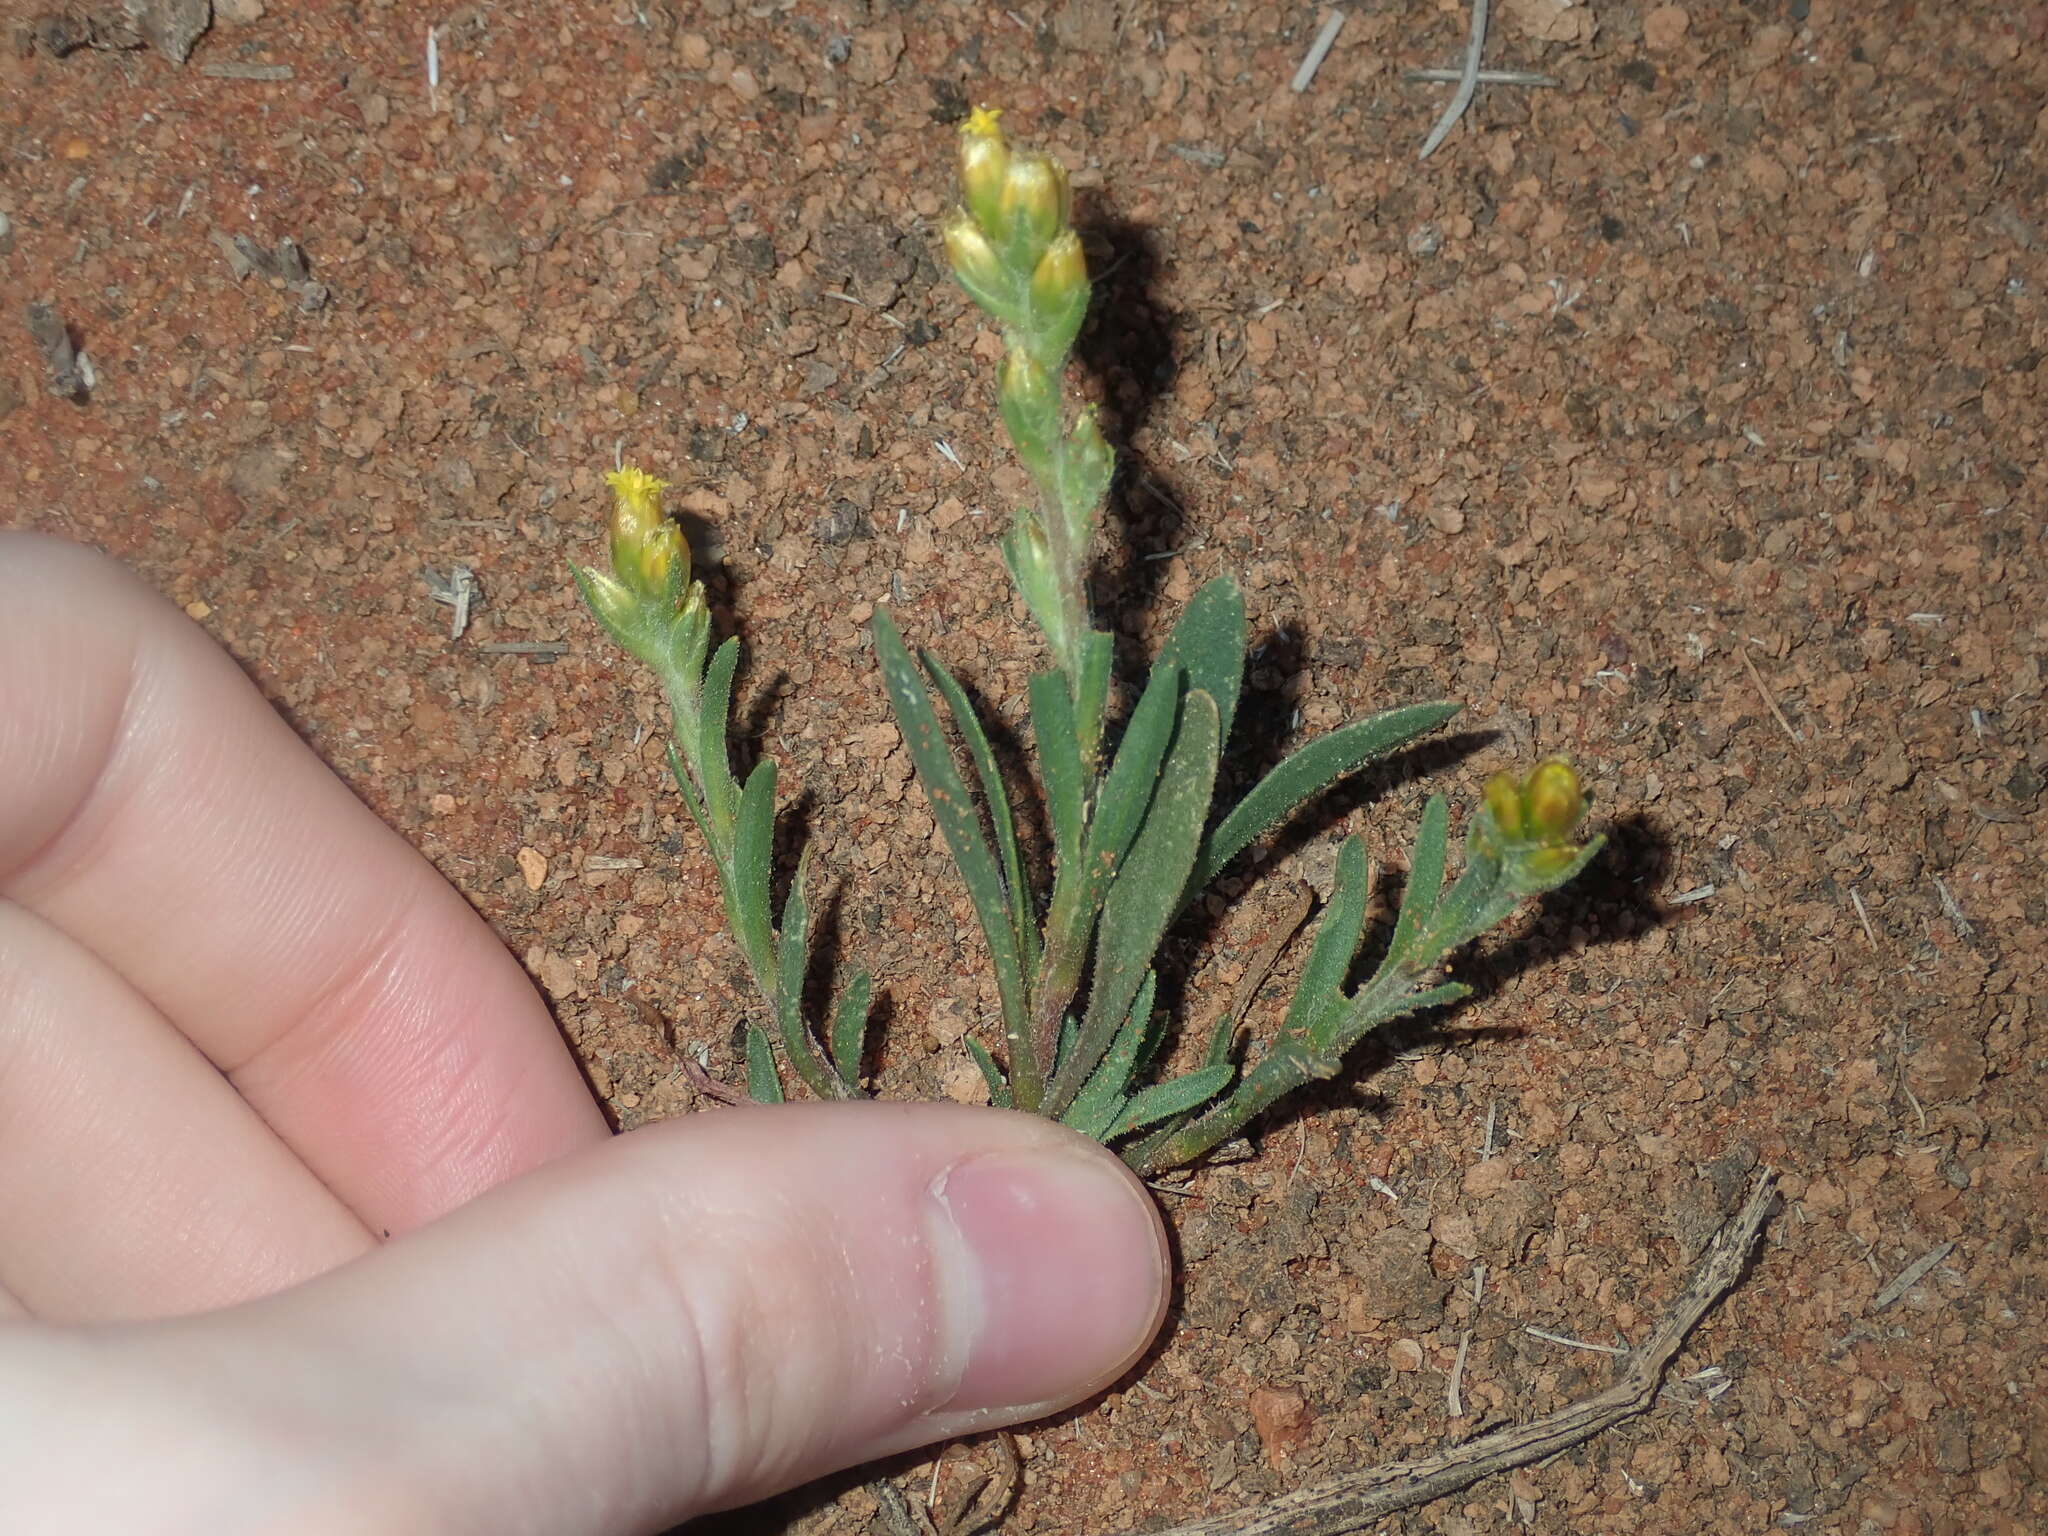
<point>246,1032</point>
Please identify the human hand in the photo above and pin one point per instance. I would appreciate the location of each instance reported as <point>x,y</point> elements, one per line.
<point>246,1032</point>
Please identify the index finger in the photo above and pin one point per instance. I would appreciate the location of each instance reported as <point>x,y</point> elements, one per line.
<point>163,815</point>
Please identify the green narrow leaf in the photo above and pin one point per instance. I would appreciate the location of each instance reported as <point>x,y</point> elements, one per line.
<point>1091,694</point>
<point>946,793</point>
<point>1128,788</point>
<point>1425,878</point>
<point>753,859</point>
<point>850,1026</point>
<point>998,1085</point>
<point>1098,1104</point>
<point>1143,899</point>
<point>1319,995</point>
<point>793,947</point>
<point>1162,1101</point>
<point>1207,644</point>
<point>1155,1029</point>
<point>1222,1038</point>
<point>1059,761</point>
<point>1415,1002</point>
<point>792,959</point>
<point>763,1086</point>
<point>1069,1033</point>
<point>713,720</point>
<point>1306,774</point>
<point>1023,916</point>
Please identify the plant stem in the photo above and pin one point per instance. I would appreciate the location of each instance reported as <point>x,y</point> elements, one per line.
<point>1292,1061</point>
<point>753,932</point>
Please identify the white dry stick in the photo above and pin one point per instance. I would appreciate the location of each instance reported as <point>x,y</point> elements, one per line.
<point>1333,23</point>
<point>1483,77</point>
<point>1451,1397</point>
<point>1910,1276</point>
<point>1770,699</point>
<point>465,589</point>
<point>1569,1343</point>
<point>1468,82</point>
<point>433,69</point>
<point>1863,917</point>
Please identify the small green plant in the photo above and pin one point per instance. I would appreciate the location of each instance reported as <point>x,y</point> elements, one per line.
<point>1135,833</point>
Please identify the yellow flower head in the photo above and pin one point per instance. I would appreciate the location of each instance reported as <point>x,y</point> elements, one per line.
<point>984,164</point>
<point>648,551</point>
<point>1542,810</point>
<point>1061,276</point>
<point>1035,199</point>
<point>973,258</point>
<point>1554,800</point>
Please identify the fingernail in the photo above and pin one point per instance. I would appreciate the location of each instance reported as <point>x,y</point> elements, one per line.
<point>1053,1277</point>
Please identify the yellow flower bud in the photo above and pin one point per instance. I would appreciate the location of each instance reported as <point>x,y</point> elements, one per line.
<point>1554,801</point>
<point>1061,274</point>
<point>973,258</point>
<point>1035,199</point>
<point>1504,800</point>
<point>648,551</point>
<point>984,163</point>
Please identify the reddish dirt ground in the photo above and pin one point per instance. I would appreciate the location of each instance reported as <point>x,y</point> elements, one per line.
<point>1684,417</point>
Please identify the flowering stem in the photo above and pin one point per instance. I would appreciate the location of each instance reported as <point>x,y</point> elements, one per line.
<point>649,605</point>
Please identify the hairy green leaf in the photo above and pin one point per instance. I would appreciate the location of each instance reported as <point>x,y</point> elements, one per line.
<point>1128,788</point>
<point>998,1085</point>
<point>1364,1020</point>
<point>850,1026</point>
<point>763,1086</point>
<point>1319,996</point>
<point>946,793</point>
<point>1306,774</point>
<point>1059,761</point>
<point>1097,1105</point>
<point>712,722</point>
<point>753,859</point>
<point>1162,1101</point>
<point>1023,916</point>
<point>1425,878</point>
<point>793,948</point>
<point>1145,894</point>
<point>1091,694</point>
<point>1207,644</point>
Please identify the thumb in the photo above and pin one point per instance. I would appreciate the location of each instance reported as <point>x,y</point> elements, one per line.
<point>697,1315</point>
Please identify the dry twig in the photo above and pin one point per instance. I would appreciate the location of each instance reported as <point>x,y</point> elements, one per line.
<point>1911,1276</point>
<point>1764,688</point>
<point>1468,82</point>
<point>1333,23</point>
<point>1354,1501</point>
